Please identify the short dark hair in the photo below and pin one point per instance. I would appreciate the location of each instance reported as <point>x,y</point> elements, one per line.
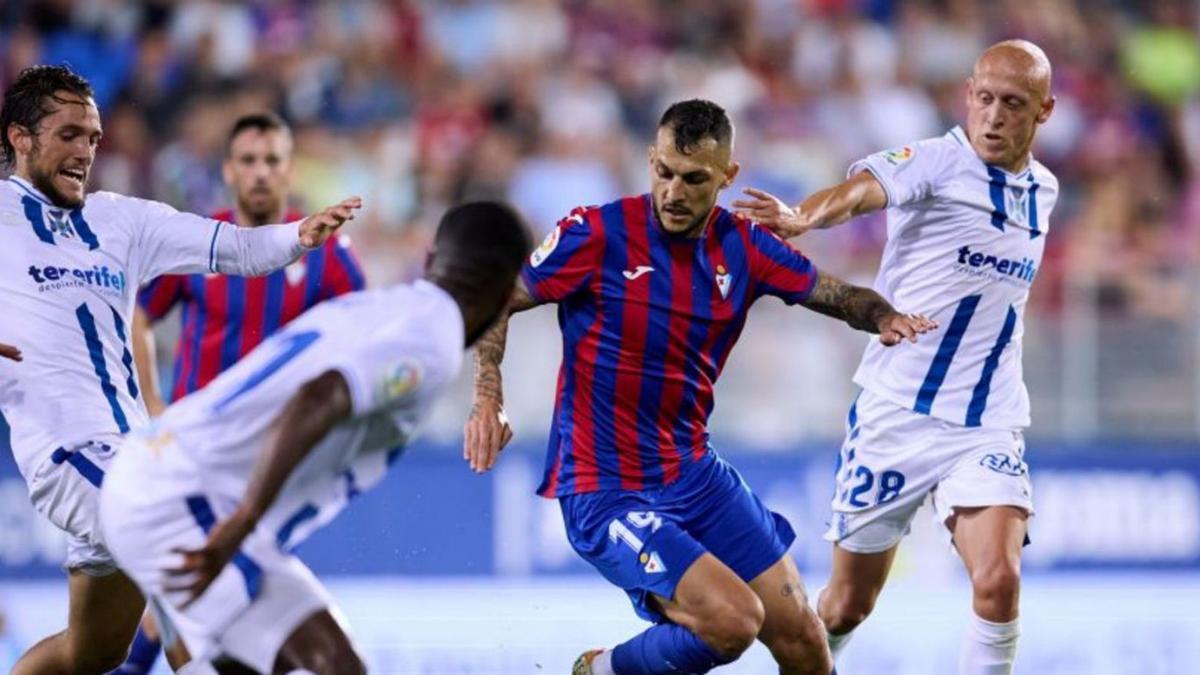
<point>484,241</point>
<point>694,120</point>
<point>262,121</point>
<point>25,100</point>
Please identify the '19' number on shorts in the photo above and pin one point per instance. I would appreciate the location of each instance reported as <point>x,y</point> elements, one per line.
<point>890,485</point>
<point>640,520</point>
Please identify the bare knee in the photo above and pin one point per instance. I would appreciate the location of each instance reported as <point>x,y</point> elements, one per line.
<point>843,609</point>
<point>996,589</point>
<point>732,624</point>
<point>801,649</point>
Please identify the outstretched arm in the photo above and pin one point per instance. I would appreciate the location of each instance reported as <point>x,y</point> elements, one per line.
<point>487,431</point>
<point>866,310</point>
<point>860,194</point>
<point>311,413</point>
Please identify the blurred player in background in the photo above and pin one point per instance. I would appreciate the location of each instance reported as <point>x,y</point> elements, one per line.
<point>967,216</point>
<point>72,263</point>
<point>245,469</point>
<point>224,317</point>
<point>653,292</point>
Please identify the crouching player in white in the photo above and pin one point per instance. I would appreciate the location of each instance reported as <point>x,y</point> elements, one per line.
<point>202,508</point>
<point>967,220</point>
<point>70,267</point>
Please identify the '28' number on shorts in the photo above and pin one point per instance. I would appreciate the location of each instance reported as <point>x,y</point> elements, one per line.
<point>890,485</point>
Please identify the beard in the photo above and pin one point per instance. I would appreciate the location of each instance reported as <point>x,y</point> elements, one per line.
<point>261,211</point>
<point>43,180</point>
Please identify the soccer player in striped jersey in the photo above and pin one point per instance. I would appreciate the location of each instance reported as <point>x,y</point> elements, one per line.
<point>653,292</point>
<point>70,266</point>
<point>223,316</point>
<point>967,219</point>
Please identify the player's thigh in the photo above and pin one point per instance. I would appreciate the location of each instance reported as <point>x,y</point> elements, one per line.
<point>787,615</point>
<point>989,539</point>
<point>103,614</point>
<point>710,599</point>
<point>319,645</point>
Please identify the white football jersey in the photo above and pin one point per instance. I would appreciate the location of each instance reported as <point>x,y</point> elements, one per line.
<point>68,280</point>
<point>964,244</point>
<point>397,347</point>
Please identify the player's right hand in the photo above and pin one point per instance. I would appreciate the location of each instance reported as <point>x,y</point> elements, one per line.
<point>772,213</point>
<point>485,434</point>
<point>318,227</point>
<point>896,328</point>
<point>10,352</point>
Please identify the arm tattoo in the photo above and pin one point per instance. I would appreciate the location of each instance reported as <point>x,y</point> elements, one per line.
<point>861,308</point>
<point>489,350</point>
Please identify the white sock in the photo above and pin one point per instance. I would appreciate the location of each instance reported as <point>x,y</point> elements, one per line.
<point>836,642</point>
<point>989,648</point>
<point>602,664</point>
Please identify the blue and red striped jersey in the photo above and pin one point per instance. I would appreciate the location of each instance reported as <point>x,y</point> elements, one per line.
<point>225,316</point>
<point>648,320</point>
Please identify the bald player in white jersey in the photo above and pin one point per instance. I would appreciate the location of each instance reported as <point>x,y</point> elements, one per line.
<point>70,267</point>
<point>245,469</point>
<point>967,218</point>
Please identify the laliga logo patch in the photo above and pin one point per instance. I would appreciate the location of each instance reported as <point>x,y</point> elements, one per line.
<point>652,563</point>
<point>402,380</point>
<point>898,155</point>
<point>723,281</point>
<point>1002,462</point>
<point>548,245</point>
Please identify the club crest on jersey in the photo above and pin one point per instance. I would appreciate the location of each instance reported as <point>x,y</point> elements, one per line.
<point>897,156</point>
<point>723,281</point>
<point>1016,203</point>
<point>59,224</point>
<point>402,379</point>
<point>548,245</point>
<point>652,563</point>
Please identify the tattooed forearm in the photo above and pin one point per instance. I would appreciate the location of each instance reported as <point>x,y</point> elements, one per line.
<point>489,349</point>
<point>861,308</point>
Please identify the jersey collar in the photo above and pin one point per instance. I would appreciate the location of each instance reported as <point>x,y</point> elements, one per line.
<point>960,137</point>
<point>28,188</point>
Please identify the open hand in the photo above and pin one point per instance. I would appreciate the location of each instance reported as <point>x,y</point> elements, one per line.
<point>485,434</point>
<point>772,213</point>
<point>318,227</point>
<point>896,327</point>
<point>201,566</point>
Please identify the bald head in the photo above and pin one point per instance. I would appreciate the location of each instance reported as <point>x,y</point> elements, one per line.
<point>1008,97</point>
<point>1023,59</point>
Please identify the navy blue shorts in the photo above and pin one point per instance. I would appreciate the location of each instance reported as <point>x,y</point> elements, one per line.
<point>644,540</point>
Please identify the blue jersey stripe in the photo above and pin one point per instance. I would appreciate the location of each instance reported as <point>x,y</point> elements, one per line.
<point>202,512</point>
<point>126,357</point>
<point>1033,214</point>
<point>196,281</point>
<point>273,307</point>
<point>84,230</point>
<point>86,467</point>
<point>314,264</point>
<point>996,189</point>
<point>945,353</point>
<point>616,259</point>
<point>304,514</point>
<point>658,338</point>
<point>96,352</point>
<point>698,327</point>
<point>33,213</point>
<point>235,321</point>
<point>353,273</point>
<point>980,396</point>
<point>737,263</point>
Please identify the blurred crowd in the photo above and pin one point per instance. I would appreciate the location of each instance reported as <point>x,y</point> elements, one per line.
<point>551,103</point>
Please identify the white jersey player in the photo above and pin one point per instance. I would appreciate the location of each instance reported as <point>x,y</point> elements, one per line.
<point>967,218</point>
<point>70,267</point>
<point>243,470</point>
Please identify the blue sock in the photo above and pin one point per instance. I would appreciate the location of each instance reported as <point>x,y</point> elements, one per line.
<point>142,655</point>
<point>665,648</point>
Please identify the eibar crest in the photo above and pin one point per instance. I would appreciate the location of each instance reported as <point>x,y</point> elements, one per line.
<point>652,563</point>
<point>723,281</point>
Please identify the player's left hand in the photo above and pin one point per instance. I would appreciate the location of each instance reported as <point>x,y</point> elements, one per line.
<point>896,327</point>
<point>201,566</point>
<point>772,213</point>
<point>318,227</point>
